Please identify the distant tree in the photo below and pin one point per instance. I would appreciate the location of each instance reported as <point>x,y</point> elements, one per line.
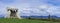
<point>29,17</point>
<point>49,17</point>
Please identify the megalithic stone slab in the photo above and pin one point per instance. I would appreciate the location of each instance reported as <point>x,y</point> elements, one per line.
<point>12,13</point>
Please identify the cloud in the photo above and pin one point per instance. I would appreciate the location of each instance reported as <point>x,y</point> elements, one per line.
<point>33,7</point>
<point>2,8</point>
<point>54,10</point>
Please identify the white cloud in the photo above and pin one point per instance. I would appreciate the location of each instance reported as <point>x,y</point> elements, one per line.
<point>37,7</point>
<point>43,6</point>
<point>54,10</point>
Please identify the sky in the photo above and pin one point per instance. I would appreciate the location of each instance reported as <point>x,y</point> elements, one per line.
<point>32,7</point>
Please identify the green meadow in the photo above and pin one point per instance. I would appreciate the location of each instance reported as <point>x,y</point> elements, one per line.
<point>5,20</point>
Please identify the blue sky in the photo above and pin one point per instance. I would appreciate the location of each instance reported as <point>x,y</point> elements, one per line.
<point>32,7</point>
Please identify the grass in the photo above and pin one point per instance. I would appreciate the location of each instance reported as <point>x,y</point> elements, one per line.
<point>5,20</point>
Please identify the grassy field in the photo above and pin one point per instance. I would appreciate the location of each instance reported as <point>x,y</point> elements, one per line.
<point>2,20</point>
